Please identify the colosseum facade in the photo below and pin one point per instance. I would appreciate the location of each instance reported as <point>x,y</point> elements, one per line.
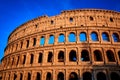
<point>74,45</point>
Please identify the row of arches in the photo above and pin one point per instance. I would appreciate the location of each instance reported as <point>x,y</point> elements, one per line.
<point>72,56</point>
<point>72,76</point>
<point>82,37</point>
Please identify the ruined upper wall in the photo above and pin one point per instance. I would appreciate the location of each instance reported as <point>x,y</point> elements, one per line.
<point>69,18</point>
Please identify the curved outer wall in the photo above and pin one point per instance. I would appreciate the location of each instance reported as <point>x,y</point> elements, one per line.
<point>24,55</point>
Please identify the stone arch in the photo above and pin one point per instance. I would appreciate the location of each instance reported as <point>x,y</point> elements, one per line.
<point>72,56</point>
<point>38,76</point>
<point>87,76</point>
<point>72,37</point>
<point>51,39</point>
<point>91,18</point>
<point>73,76</point>
<point>42,40</point>
<point>60,76</point>
<point>110,56</point>
<point>85,55</point>
<point>94,36</point>
<point>61,56</point>
<point>24,59</point>
<point>105,36</point>
<point>21,76</point>
<point>29,76</point>
<point>40,58</point>
<point>34,41</point>
<point>114,76</point>
<point>48,76</point>
<point>31,58</point>
<point>61,38</point>
<point>15,76</point>
<point>50,57</point>
<point>98,55</point>
<point>83,37</point>
<point>101,76</point>
<point>115,37</point>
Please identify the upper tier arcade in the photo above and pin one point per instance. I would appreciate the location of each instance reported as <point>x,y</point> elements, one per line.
<point>69,18</point>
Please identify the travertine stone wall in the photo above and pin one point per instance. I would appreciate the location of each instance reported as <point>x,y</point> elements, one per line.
<point>25,58</point>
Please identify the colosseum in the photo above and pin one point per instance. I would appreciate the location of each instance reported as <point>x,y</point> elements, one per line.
<point>81,44</point>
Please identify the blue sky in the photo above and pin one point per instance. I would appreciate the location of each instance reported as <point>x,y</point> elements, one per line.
<point>16,12</point>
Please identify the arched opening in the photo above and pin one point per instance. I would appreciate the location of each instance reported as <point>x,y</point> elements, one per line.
<point>119,55</point>
<point>31,59</point>
<point>27,44</point>
<point>110,56</point>
<point>61,38</point>
<point>60,76</point>
<point>114,76</point>
<point>29,76</point>
<point>48,76</point>
<point>50,55</point>
<point>42,40</point>
<point>24,59</point>
<point>73,76</point>
<point>87,76</point>
<point>38,77</point>
<point>12,61</point>
<point>71,19</point>
<point>83,37</point>
<point>72,37</point>
<point>91,18</point>
<point>111,19</point>
<point>17,60</point>
<point>97,55</point>
<point>21,45</point>
<point>0,77</point>
<point>61,56</point>
<point>72,56</point>
<point>40,58</point>
<point>94,36</point>
<point>101,76</point>
<point>34,41</point>
<point>15,77</point>
<point>105,36</point>
<point>85,55</point>
<point>21,76</point>
<point>51,39</point>
<point>115,37</point>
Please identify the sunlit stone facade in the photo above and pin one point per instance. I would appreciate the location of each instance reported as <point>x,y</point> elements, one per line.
<point>74,45</point>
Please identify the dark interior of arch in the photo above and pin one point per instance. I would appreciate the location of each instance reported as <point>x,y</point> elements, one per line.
<point>38,77</point>
<point>40,58</point>
<point>48,77</point>
<point>15,77</point>
<point>101,76</point>
<point>21,76</point>
<point>50,55</point>
<point>73,76</point>
<point>72,56</point>
<point>85,55</point>
<point>29,76</point>
<point>114,76</point>
<point>24,59</point>
<point>87,76</point>
<point>61,56</point>
<point>60,76</point>
<point>98,55</point>
<point>32,58</point>
<point>110,56</point>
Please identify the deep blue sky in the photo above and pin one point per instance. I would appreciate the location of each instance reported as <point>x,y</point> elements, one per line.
<point>15,12</point>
